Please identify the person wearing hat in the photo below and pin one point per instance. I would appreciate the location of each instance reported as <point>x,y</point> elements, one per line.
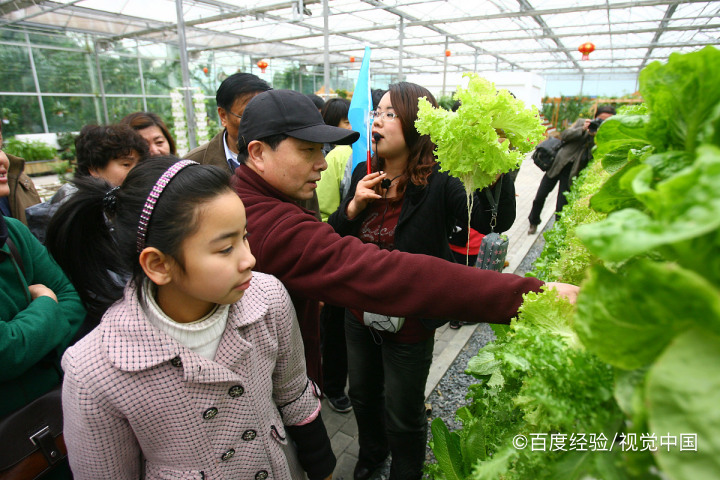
<point>280,142</point>
<point>232,97</point>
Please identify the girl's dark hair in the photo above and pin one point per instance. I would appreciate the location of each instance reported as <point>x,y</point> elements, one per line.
<point>404,97</point>
<point>335,110</point>
<point>92,252</point>
<point>96,145</point>
<point>143,120</point>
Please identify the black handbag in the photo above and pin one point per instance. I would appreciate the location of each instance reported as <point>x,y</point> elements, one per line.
<point>32,441</point>
<point>545,153</point>
<point>494,246</point>
<point>32,438</point>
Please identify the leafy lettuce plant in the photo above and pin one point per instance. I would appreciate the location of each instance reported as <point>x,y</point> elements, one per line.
<point>468,144</point>
<point>537,379</point>
<point>653,307</point>
<point>648,314</point>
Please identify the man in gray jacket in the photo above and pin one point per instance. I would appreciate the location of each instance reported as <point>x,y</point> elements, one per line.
<point>573,156</point>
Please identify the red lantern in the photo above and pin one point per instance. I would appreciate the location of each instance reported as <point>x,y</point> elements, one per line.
<point>263,65</point>
<point>206,70</point>
<point>586,49</point>
<point>352,59</point>
<point>447,53</point>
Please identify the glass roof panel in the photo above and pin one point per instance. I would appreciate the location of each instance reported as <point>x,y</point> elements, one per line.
<point>502,34</point>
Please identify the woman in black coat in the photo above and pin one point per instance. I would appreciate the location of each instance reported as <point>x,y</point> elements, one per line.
<point>409,205</point>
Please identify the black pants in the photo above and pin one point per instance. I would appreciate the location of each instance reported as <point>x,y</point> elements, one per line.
<point>334,350</point>
<point>546,186</point>
<point>387,390</point>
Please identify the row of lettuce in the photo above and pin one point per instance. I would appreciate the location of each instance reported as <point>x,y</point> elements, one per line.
<point>626,384</point>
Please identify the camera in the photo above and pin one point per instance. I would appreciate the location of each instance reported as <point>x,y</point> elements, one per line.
<point>594,125</point>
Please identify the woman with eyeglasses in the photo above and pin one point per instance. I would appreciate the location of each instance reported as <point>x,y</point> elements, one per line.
<point>406,204</point>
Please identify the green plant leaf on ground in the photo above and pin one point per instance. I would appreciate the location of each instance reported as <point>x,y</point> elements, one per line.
<point>683,394</point>
<point>446,447</point>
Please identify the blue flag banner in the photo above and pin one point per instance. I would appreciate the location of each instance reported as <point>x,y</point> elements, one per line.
<point>359,112</point>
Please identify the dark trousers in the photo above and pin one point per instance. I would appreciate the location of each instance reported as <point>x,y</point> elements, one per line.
<point>546,186</point>
<point>387,390</point>
<point>334,351</point>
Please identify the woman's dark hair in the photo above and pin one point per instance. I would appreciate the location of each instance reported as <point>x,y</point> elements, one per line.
<point>143,120</point>
<point>404,97</point>
<point>335,110</point>
<point>96,145</point>
<point>377,94</point>
<point>92,252</point>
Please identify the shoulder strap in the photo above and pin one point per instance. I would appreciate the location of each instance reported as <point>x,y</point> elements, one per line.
<point>16,255</point>
<point>494,202</point>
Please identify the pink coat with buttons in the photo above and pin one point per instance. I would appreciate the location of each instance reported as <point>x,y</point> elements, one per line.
<point>135,399</point>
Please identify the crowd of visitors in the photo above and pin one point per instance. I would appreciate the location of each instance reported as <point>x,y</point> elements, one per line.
<point>202,307</point>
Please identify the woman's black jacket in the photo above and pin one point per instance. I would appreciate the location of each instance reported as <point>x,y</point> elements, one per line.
<point>429,213</point>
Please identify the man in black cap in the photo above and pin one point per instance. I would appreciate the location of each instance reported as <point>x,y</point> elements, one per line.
<point>280,151</point>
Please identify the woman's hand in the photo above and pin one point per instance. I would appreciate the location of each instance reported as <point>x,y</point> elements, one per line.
<point>565,290</point>
<point>39,290</point>
<point>364,193</point>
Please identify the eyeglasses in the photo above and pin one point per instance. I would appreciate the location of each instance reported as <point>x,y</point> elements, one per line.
<point>234,114</point>
<point>388,116</point>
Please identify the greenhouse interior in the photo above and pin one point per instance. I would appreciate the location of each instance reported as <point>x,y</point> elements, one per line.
<point>618,381</point>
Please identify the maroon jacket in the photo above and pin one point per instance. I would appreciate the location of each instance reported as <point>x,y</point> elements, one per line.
<point>316,264</point>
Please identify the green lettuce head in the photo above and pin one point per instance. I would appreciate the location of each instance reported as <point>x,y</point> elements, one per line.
<point>468,144</point>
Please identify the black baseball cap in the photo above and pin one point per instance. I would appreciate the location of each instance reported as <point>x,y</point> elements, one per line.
<point>290,113</point>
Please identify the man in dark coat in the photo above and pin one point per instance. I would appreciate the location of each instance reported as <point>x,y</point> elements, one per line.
<point>280,138</point>
<point>573,156</point>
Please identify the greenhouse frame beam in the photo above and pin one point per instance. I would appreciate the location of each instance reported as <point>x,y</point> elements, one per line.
<point>215,18</point>
<point>647,45</point>
<point>663,25</point>
<point>393,26</point>
<point>431,26</point>
<point>682,28</point>
<point>549,11</point>
<point>548,32</point>
<point>15,5</point>
<point>41,12</point>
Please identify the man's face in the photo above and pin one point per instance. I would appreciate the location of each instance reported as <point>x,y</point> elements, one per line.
<point>604,116</point>
<point>230,119</point>
<point>293,167</point>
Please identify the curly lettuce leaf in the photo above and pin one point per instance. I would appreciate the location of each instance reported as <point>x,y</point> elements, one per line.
<point>468,145</point>
<point>549,313</point>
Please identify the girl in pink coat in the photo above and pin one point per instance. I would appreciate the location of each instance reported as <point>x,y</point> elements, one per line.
<point>198,371</point>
